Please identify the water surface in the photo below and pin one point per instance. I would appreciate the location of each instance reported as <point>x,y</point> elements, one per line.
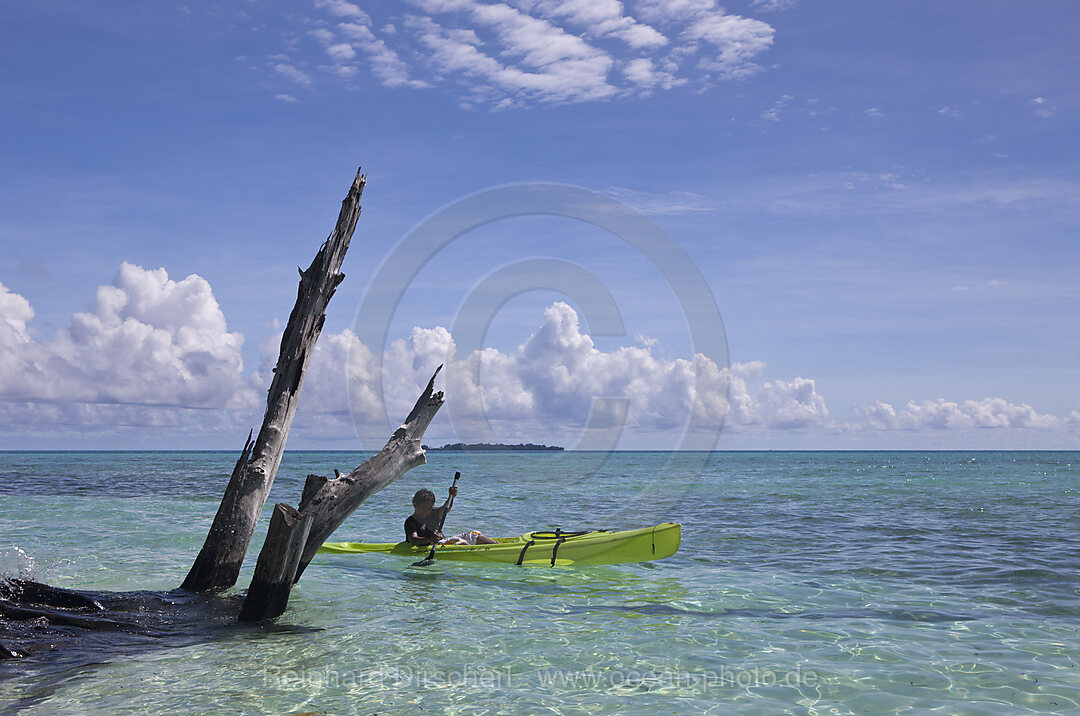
<point>816,582</point>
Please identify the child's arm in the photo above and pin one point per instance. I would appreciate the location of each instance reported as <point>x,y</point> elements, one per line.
<point>415,539</point>
<point>449,501</point>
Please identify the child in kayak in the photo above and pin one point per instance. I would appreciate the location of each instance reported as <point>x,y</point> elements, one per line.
<point>423,525</point>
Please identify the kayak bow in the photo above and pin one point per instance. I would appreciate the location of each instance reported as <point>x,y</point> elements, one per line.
<point>542,548</point>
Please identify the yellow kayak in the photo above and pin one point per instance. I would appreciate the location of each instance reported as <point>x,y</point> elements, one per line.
<point>545,548</point>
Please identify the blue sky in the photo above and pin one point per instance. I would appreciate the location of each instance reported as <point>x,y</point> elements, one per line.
<point>882,197</point>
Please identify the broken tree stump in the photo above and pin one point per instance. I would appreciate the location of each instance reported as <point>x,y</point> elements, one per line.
<point>331,501</point>
<point>222,554</point>
<point>276,568</point>
<point>327,502</point>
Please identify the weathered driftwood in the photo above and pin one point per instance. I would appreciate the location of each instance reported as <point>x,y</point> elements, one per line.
<point>327,502</point>
<point>25,599</point>
<point>27,591</point>
<point>67,618</point>
<point>9,653</point>
<point>274,572</point>
<point>222,554</point>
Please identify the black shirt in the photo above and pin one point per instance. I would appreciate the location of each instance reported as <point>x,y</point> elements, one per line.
<point>424,529</point>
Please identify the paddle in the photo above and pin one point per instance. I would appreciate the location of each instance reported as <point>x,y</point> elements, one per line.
<point>430,559</point>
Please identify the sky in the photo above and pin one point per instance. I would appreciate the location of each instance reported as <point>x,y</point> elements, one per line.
<point>663,224</point>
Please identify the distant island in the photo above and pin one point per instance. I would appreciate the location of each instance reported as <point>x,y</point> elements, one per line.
<point>489,446</point>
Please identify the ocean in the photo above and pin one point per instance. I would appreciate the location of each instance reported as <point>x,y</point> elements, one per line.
<point>807,583</point>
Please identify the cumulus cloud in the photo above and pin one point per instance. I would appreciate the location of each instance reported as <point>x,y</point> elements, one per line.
<point>551,379</point>
<point>777,404</point>
<point>523,52</point>
<point>15,314</point>
<point>156,352</point>
<point>554,380</point>
<point>554,377</point>
<point>146,340</point>
<point>942,414</point>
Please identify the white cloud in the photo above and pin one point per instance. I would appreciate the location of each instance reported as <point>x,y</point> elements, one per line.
<point>341,8</point>
<point>737,40</point>
<point>156,352</point>
<point>552,379</point>
<point>554,65</point>
<point>146,340</point>
<point>292,73</point>
<point>644,73</point>
<point>341,51</point>
<point>522,52</point>
<point>286,98</point>
<point>1042,109</point>
<point>775,404</point>
<point>774,5</point>
<point>790,404</point>
<point>724,44</point>
<point>384,62</point>
<point>942,414</point>
<point>15,313</point>
<point>323,35</point>
<point>599,18</point>
<point>773,113</point>
<point>549,382</point>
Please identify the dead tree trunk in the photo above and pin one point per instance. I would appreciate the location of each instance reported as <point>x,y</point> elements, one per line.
<point>327,502</point>
<point>218,564</point>
<point>272,581</point>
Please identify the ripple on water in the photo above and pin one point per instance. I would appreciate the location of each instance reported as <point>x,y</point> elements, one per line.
<point>806,583</point>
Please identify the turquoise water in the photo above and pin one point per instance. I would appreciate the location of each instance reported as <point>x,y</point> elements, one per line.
<point>844,582</point>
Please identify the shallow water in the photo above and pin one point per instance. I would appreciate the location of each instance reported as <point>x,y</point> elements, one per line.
<point>845,582</point>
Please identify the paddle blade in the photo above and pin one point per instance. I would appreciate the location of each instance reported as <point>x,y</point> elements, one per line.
<point>427,561</point>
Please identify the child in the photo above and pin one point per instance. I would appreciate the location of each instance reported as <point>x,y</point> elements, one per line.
<point>423,526</point>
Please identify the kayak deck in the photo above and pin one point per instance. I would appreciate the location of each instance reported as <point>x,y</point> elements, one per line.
<point>541,548</point>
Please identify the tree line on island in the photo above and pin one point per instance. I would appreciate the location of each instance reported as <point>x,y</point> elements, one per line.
<point>492,447</point>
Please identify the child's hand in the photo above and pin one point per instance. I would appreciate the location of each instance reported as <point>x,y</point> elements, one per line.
<point>453,491</point>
